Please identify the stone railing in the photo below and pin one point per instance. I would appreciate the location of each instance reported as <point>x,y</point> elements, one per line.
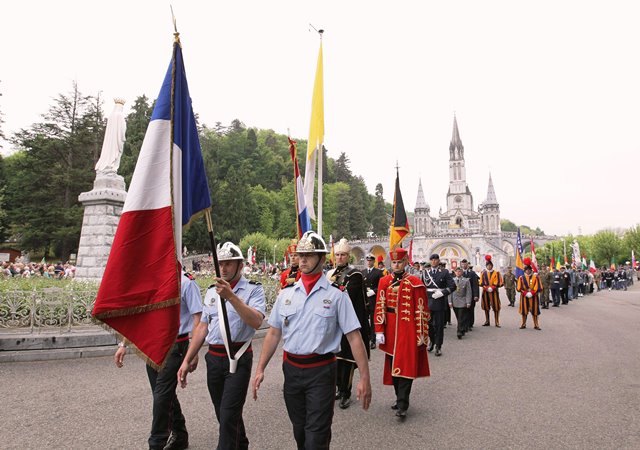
<point>62,309</point>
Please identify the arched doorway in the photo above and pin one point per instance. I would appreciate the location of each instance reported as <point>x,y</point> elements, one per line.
<point>358,256</point>
<point>379,251</point>
<point>451,253</point>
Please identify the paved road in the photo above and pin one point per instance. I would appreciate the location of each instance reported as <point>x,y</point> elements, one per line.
<point>575,384</point>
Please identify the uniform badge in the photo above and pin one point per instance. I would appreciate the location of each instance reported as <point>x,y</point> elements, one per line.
<point>286,321</point>
<point>326,301</point>
<point>210,297</point>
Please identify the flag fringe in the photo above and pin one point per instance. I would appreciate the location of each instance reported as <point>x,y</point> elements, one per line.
<point>141,355</point>
<point>195,217</point>
<point>137,309</point>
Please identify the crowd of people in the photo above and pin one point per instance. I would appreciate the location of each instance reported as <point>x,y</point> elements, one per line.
<point>330,316</point>
<point>57,271</point>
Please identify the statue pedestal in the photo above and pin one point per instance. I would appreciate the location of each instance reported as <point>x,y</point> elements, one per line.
<point>102,210</point>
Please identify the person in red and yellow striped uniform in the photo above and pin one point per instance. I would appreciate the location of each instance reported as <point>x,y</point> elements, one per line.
<point>490,281</point>
<point>529,288</point>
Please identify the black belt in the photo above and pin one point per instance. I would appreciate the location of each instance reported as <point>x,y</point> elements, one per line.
<point>391,310</point>
<point>220,350</point>
<point>182,337</point>
<point>311,360</point>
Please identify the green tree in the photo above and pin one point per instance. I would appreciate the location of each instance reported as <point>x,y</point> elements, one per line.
<point>507,225</point>
<point>61,153</point>
<point>285,221</point>
<point>4,225</point>
<point>336,211</point>
<point>631,241</point>
<point>606,246</point>
<point>137,123</point>
<point>264,246</point>
<point>2,137</point>
<point>359,208</point>
<point>379,218</point>
<point>342,170</point>
<point>234,208</point>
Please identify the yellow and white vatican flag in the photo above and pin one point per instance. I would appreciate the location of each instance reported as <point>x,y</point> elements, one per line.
<point>314,145</point>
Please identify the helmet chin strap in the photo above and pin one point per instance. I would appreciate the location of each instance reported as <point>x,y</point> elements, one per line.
<point>316,266</point>
<point>235,273</point>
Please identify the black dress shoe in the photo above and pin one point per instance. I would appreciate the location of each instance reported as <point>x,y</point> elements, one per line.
<point>394,406</point>
<point>459,335</point>
<point>486,324</point>
<point>537,328</point>
<point>345,402</point>
<point>522,327</point>
<point>338,395</point>
<point>372,345</point>
<point>176,442</point>
<point>556,306</point>
<point>438,352</point>
<point>401,414</point>
<point>430,346</point>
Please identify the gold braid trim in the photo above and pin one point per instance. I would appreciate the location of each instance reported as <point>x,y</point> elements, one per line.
<point>381,306</point>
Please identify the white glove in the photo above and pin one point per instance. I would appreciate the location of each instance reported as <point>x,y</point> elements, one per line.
<point>437,294</point>
<point>561,289</point>
<point>379,338</point>
<point>370,292</point>
<point>529,295</point>
<point>489,289</point>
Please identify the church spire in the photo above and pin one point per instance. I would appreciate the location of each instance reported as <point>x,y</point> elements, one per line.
<point>420,201</point>
<point>456,149</point>
<point>491,193</point>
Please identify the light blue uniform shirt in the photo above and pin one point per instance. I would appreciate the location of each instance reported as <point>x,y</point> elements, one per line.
<point>313,323</point>
<point>252,295</point>
<point>190,303</point>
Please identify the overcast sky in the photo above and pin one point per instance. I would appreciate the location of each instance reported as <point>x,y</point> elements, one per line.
<point>547,93</point>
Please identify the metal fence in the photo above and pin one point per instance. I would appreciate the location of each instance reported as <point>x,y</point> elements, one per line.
<point>51,308</point>
<point>46,308</point>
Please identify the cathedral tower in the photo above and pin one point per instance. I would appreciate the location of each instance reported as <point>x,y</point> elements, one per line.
<point>423,224</point>
<point>490,211</point>
<point>459,197</point>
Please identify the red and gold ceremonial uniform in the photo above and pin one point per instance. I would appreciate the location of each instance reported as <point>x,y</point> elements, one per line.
<point>402,315</point>
<point>287,278</point>
<point>491,279</point>
<point>529,284</point>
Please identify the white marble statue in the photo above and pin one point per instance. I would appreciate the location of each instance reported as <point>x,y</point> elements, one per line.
<point>576,252</point>
<point>113,141</point>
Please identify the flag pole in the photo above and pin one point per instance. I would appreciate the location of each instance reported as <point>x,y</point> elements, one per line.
<point>216,266</point>
<point>320,159</point>
<point>292,143</point>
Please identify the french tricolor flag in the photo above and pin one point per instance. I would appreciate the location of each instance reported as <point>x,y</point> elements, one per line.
<point>302,214</point>
<point>139,296</point>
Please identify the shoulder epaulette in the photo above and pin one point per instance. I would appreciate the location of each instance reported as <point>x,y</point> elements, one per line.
<point>287,286</point>
<point>255,282</point>
<point>414,281</point>
<point>191,277</point>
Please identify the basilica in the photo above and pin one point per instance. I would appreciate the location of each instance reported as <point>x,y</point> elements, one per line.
<point>462,231</point>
